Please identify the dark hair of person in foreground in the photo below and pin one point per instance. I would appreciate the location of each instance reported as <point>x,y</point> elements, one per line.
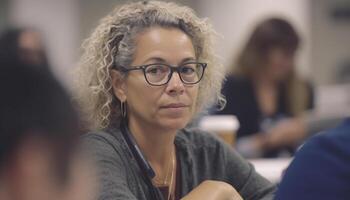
<point>38,133</point>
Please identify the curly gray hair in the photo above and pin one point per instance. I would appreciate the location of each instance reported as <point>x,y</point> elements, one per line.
<point>113,44</point>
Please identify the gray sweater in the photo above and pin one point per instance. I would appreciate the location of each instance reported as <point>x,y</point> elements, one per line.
<point>202,156</point>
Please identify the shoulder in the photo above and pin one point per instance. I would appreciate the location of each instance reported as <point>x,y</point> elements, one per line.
<point>334,142</point>
<point>99,140</point>
<point>116,173</point>
<point>202,144</point>
<point>331,146</point>
<point>236,81</point>
<point>207,144</point>
<point>322,159</point>
<point>237,88</point>
<point>94,136</point>
<point>198,138</point>
<point>103,145</point>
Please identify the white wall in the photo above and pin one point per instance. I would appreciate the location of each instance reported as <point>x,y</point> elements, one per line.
<point>66,22</point>
<point>91,11</point>
<point>58,20</point>
<point>330,40</point>
<point>234,20</point>
<point>3,14</point>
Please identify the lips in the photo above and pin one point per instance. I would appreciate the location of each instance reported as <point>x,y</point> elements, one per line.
<point>174,105</point>
<point>175,110</point>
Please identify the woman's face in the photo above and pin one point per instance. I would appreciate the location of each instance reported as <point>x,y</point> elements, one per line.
<point>280,63</point>
<point>167,107</point>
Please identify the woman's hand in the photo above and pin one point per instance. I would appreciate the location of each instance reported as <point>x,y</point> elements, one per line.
<point>213,190</point>
<point>288,132</point>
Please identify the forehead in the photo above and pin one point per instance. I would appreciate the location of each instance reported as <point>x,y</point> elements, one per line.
<point>170,44</point>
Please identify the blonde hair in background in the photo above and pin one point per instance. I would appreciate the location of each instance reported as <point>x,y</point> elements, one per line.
<point>113,43</point>
<point>298,96</point>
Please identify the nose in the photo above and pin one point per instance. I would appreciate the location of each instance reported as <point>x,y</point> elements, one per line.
<point>175,86</point>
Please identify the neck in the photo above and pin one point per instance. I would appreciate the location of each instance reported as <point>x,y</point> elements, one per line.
<point>264,77</point>
<point>156,144</point>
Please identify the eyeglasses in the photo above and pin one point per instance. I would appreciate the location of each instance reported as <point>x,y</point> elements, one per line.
<point>158,74</point>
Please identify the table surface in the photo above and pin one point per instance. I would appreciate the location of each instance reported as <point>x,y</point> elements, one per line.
<point>272,169</point>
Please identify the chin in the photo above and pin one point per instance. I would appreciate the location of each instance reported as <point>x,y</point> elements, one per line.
<point>174,124</point>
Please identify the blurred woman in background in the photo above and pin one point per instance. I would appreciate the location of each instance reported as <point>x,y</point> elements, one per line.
<point>265,93</point>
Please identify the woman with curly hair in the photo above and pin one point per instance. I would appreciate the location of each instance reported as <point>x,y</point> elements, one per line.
<point>149,69</point>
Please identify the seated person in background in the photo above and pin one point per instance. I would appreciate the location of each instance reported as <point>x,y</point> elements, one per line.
<point>38,135</point>
<point>148,69</point>
<point>24,45</point>
<point>265,93</point>
<point>321,168</point>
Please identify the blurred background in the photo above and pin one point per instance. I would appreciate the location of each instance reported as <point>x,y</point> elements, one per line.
<point>324,26</point>
<point>323,57</point>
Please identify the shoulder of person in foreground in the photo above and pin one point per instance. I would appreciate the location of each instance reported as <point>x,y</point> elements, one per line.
<point>320,169</point>
<point>215,155</point>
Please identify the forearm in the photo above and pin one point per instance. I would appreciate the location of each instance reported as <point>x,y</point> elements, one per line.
<point>288,133</point>
<point>213,190</point>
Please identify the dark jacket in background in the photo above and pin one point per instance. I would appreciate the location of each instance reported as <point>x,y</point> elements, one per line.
<point>242,102</point>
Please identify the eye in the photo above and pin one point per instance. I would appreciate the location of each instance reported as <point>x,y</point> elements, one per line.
<point>188,69</point>
<point>156,69</point>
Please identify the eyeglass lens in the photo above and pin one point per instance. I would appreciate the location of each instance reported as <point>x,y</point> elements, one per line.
<point>159,74</point>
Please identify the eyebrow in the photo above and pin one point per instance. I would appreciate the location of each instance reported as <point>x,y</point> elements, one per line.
<point>161,60</point>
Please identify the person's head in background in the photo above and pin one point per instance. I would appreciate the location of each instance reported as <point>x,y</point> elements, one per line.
<point>270,51</point>
<point>24,45</point>
<point>38,136</point>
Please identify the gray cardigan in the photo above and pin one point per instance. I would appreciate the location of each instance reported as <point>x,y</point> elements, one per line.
<point>201,155</point>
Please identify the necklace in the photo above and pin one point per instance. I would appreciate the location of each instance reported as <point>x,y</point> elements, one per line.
<point>159,183</point>
<point>163,182</point>
<point>171,189</point>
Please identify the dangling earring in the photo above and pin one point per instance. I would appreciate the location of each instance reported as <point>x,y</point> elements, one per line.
<point>123,109</point>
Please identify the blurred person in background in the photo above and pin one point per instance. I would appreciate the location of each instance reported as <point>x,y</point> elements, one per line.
<point>147,70</point>
<point>39,159</point>
<point>265,93</point>
<point>320,169</point>
<point>23,45</point>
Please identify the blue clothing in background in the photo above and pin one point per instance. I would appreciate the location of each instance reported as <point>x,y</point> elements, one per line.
<point>321,169</point>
